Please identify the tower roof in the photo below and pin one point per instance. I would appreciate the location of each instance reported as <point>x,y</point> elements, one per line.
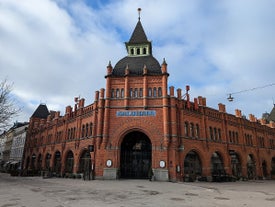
<point>138,35</point>
<point>139,55</point>
<point>271,116</point>
<point>41,112</point>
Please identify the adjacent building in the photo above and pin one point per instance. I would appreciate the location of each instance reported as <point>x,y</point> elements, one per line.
<point>18,144</point>
<point>12,143</point>
<point>138,127</point>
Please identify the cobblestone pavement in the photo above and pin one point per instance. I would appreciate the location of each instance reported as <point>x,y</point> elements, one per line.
<point>59,192</point>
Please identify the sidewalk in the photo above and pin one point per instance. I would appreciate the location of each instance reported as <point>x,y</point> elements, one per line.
<point>59,192</point>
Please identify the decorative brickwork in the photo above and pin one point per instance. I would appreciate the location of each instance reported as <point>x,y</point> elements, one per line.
<point>161,130</point>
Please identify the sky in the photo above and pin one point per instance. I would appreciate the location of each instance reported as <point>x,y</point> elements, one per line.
<point>55,50</point>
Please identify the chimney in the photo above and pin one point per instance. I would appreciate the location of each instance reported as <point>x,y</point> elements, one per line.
<point>200,100</point>
<point>222,108</point>
<point>204,101</point>
<point>196,105</point>
<point>172,91</point>
<point>179,93</point>
<point>238,113</point>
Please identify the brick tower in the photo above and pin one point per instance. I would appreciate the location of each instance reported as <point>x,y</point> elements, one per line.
<point>135,118</point>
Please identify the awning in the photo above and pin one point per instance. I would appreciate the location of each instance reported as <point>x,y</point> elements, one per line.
<point>14,162</point>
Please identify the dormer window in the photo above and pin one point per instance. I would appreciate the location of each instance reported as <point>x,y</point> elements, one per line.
<point>138,51</point>
<point>132,51</point>
<point>144,51</point>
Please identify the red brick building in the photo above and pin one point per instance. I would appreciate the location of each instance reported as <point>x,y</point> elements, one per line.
<point>137,127</point>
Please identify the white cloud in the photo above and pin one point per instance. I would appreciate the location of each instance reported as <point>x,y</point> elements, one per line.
<point>55,50</point>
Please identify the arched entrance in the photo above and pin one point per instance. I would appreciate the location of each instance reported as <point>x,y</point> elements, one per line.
<point>192,166</point>
<point>47,161</point>
<point>251,167</point>
<point>27,163</point>
<point>39,162</point>
<point>264,167</point>
<point>273,168</point>
<point>236,165</point>
<point>217,167</point>
<point>135,156</point>
<point>85,165</point>
<point>69,165</point>
<point>57,163</point>
<point>33,162</point>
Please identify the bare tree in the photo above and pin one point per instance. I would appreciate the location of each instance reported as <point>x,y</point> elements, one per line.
<point>8,108</point>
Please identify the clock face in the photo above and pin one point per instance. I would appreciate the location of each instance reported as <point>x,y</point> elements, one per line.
<point>162,164</point>
<point>109,163</point>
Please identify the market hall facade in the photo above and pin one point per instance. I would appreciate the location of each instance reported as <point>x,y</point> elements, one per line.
<point>138,127</point>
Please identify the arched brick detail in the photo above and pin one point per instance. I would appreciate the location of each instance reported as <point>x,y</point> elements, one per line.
<point>145,127</point>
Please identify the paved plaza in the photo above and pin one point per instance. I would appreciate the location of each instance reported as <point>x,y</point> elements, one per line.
<point>61,192</point>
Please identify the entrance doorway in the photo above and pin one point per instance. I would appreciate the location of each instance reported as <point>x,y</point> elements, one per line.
<point>85,166</point>
<point>192,166</point>
<point>135,156</point>
<point>251,167</point>
<point>69,165</point>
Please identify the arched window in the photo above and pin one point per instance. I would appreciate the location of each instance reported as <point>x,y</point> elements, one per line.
<point>192,132</point>
<point>117,93</point>
<point>219,135</point>
<point>138,51</point>
<point>91,129</point>
<point>155,92</point>
<point>69,134</point>
<point>132,51</point>
<point>186,133</point>
<point>72,133</point>
<point>140,92</point>
<point>87,130</point>
<point>136,93</point>
<point>237,137</point>
<point>112,93</point>
<point>144,51</point>
<point>197,131</point>
<point>215,134</point>
<point>159,92</point>
<point>83,131</point>
<point>211,133</point>
<point>122,93</point>
<point>149,92</point>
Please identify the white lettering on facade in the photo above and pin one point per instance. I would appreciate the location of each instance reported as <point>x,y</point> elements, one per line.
<point>136,113</point>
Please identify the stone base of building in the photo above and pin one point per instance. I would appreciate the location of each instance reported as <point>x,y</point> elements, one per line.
<point>110,174</point>
<point>161,174</point>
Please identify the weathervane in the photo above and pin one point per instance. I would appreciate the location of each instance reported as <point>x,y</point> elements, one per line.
<point>139,10</point>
